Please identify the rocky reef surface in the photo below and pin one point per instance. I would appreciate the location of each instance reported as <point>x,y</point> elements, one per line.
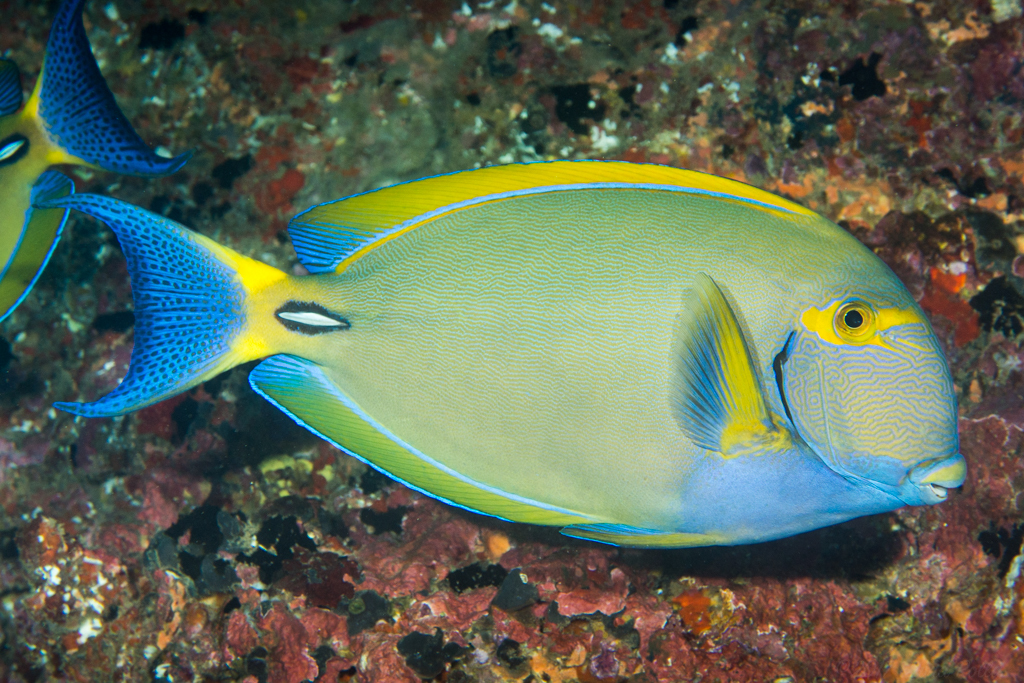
<point>208,538</point>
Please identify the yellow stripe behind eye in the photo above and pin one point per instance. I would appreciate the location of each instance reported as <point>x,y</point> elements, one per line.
<point>822,323</point>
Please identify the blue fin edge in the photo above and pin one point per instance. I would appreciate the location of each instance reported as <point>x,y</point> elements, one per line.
<point>50,185</point>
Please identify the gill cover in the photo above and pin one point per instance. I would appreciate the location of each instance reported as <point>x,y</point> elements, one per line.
<point>871,393</point>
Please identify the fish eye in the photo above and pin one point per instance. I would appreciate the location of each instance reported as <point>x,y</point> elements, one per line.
<point>854,321</point>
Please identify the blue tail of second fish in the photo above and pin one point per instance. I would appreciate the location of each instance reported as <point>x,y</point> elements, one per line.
<point>78,110</point>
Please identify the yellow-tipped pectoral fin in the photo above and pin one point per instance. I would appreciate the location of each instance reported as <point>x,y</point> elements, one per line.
<point>717,396</point>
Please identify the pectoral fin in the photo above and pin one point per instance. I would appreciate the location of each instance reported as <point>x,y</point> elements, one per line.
<point>717,396</point>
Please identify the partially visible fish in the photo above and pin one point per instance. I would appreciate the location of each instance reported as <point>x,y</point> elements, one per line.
<point>70,118</point>
<point>639,354</point>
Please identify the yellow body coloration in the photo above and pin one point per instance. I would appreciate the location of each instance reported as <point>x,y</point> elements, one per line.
<point>623,350</point>
<point>23,251</point>
<point>266,288</point>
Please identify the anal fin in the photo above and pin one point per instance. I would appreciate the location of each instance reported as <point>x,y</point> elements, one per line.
<point>717,397</point>
<point>623,535</point>
<point>303,391</point>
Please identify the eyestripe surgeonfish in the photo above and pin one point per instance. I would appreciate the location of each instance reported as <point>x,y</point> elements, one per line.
<point>70,118</point>
<point>642,355</point>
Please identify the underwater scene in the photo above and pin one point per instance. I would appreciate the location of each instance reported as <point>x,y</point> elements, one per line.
<point>555,342</point>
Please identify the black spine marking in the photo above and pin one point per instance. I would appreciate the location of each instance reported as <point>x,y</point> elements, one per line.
<point>780,360</point>
<point>21,151</point>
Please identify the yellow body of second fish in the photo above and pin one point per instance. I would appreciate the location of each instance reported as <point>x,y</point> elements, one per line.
<point>25,257</point>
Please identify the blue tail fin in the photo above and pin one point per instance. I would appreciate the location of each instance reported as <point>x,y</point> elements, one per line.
<point>188,305</point>
<point>10,87</point>
<point>79,110</point>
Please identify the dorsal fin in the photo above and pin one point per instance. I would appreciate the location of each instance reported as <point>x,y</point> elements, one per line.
<point>329,236</point>
<point>10,87</point>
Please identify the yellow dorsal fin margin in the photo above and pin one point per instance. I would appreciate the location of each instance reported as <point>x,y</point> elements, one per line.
<point>330,236</point>
<point>717,397</point>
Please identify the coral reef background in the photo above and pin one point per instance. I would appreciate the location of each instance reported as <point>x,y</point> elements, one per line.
<point>207,538</point>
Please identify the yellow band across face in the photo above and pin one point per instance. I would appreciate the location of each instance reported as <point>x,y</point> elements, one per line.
<point>954,472</point>
<point>832,324</point>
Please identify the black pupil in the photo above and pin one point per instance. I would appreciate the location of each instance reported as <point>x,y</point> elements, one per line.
<point>853,319</point>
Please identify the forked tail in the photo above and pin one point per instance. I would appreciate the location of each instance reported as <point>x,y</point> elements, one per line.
<point>79,111</point>
<point>193,300</point>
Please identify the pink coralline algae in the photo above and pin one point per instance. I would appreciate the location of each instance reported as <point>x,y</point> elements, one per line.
<point>607,597</point>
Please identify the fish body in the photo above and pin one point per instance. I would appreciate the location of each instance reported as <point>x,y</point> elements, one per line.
<point>640,355</point>
<point>70,118</point>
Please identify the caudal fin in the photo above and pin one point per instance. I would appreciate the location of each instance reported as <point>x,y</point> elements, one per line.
<point>79,111</point>
<point>191,299</point>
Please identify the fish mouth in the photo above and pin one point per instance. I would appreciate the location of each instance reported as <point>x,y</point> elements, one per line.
<point>934,478</point>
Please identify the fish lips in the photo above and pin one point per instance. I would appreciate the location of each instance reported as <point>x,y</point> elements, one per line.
<point>929,482</point>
